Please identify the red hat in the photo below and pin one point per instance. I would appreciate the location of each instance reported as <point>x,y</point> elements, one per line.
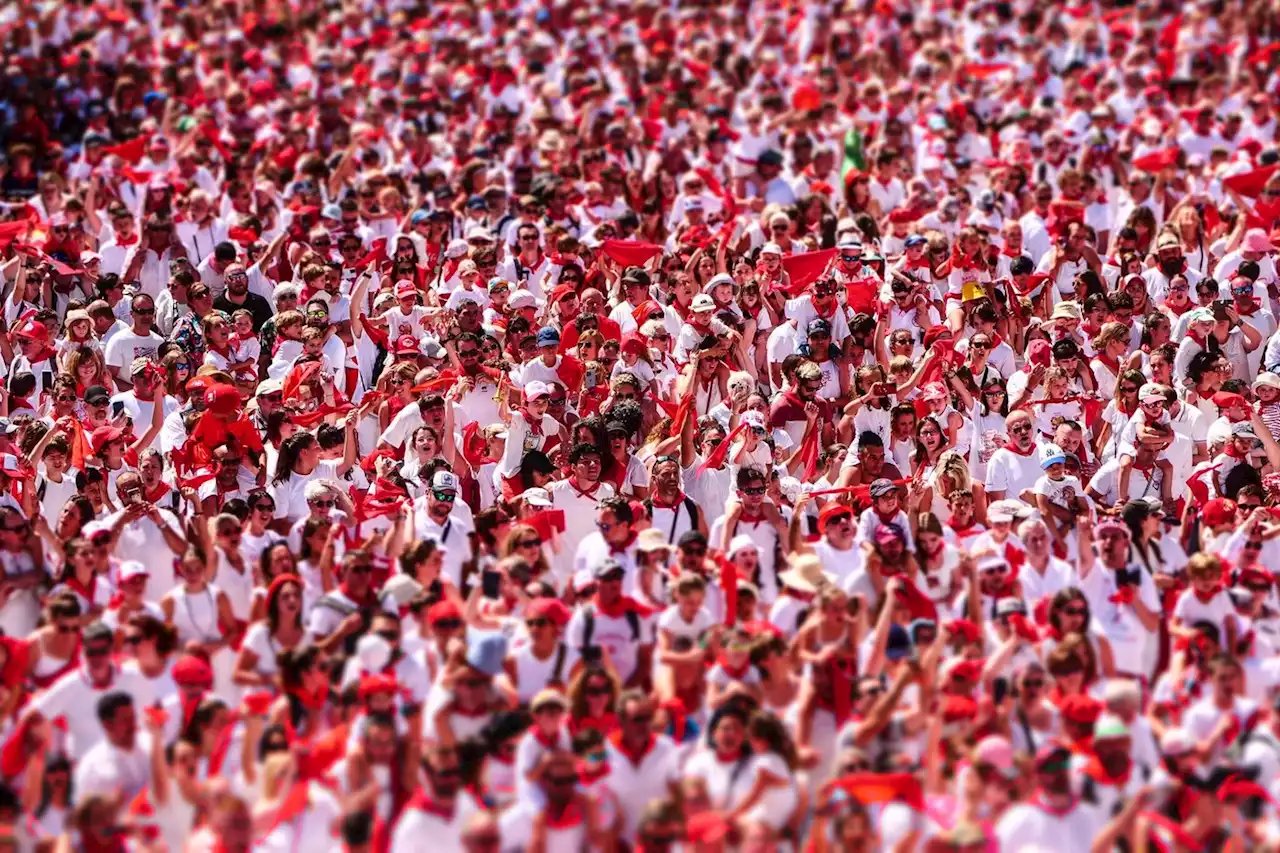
<point>192,671</point>
<point>1253,576</point>
<point>223,400</point>
<point>372,685</point>
<point>561,292</point>
<point>407,345</point>
<point>934,333</point>
<point>548,608</point>
<point>830,512</point>
<point>104,435</point>
<point>902,216</point>
<point>1081,709</point>
<point>1218,511</point>
<point>33,330</point>
<point>442,610</point>
<point>1228,400</point>
<point>199,384</point>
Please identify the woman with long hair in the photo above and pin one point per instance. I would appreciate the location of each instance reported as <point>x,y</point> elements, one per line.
<point>177,368</point>
<point>151,643</point>
<point>779,681</point>
<point>949,473</point>
<point>1187,224</point>
<point>1122,406</point>
<point>1111,345</point>
<point>524,542</point>
<point>930,444</point>
<point>298,464</point>
<point>280,630</point>
<point>937,559</point>
<point>201,614</point>
<point>397,384</point>
<point>303,680</point>
<point>593,700</point>
<point>86,365</point>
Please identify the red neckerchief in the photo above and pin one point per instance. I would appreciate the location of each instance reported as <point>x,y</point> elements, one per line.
<point>588,775</point>
<point>1111,364</point>
<point>634,756</point>
<point>46,353</point>
<point>368,597</point>
<point>1177,310</point>
<point>154,495</point>
<point>85,592</point>
<point>962,531</point>
<point>616,610</point>
<point>1205,598</point>
<point>659,504</point>
<point>126,241</point>
<point>1099,774</point>
<point>736,673</point>
<point>424,802</point>
<point>996,341</point>
<point>90,844</point>
<point>584,494</point>
<point>826,315</point>
<point>606,723</point>
<point>886,519</point>
<point>921,263</point>
<point>1010,252</point>
<point>1203,342</point>
<point>549,741</point>
<point>1253,309</point>
<point>1013,448</point>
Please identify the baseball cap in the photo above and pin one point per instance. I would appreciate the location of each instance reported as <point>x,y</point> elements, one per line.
<point>535,389</point>
<point>444,481</point>
<point>702,303</point>
<point>548,337</point>
<point>1051,454</point>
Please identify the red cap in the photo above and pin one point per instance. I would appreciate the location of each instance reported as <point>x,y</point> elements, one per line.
<point>830,512</point>
<point>192,671</point>
<point>1218,511</point>
<point>199,384</point>
<point>222,400</point>
<point>372,685</point>
<point>1081,709</point>
<point>407,345</point>
<point>1229,400</point>
<point>561,292</point>
<point>442,610</point>
<point>104,435</point>
<point>33,330</point>
<point>548,608</point>
<point>956,708</point>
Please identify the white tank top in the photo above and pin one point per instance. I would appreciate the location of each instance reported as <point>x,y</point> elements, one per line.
<point>237,586</point>
<point>195,615</point>
<point>48,665</point>
<point>532,674</point>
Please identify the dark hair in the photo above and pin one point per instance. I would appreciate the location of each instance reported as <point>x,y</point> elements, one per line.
<point>109,704</point>
<point>749,474</point>
<point>620,507</point>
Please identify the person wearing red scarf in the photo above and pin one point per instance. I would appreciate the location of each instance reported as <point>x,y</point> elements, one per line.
<point>1053,817</point>
<point>341,614</point>
<point>1014,467</point>
<point>1205,600</point>
<point>438,810</point>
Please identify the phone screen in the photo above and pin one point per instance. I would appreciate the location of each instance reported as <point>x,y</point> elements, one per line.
<point>490,583</point>
<point>117,407</point>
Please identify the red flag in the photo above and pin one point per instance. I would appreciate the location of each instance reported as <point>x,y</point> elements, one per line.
<point>1157,160</point>
<point>547,522</point>
<point>1168,38</point>
<point>243,236</point>
<point>1250,184</point>
<point>729,584</point>
<point>983,70</point>
<point>630,253</point>
<point>131,151</point>
<point>683,412</point>
<point>10,231</point>
<point>209,130</point>
<point>873,788</point>
<point>805,269</point>
<point>717,457</point>
<point>376,255</point>
<point>861,295</point>
<point>809,448</point>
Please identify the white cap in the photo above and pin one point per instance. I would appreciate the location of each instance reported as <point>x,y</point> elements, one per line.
<point>444,481</point>
<point>717,280</point>
<point>741,542</point>
<point>373,652</point>
<point>535,389</point>
<point>9,463</point>
<point>1151,391</point>
<point>701,303</point>
<point>521,299</point>
<point>131,569</point>
<point>536,497</point>
<point>479,232</point>
<point>1050,454</point>
<point>771,249</point>
<point>693,203</point>
<point>753,418</point>
<point>457,249</point>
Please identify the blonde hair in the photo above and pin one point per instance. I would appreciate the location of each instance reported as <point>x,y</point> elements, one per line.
<point>1111,332</point>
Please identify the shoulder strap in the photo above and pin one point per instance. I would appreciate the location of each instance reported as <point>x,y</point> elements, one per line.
<point>633,620</point>
<point>333,603</point>
<point>557,670</point>
<point>588,625</point>
<point>691,507</point>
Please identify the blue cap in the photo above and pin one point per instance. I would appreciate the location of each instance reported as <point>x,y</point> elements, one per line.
<point>818,326</point>
<point>475,203</point>
<point>152,97</point>
<point>331,211</point>
<point>914,240</point>
<point>412,79</point>
<point>418,216</point>
<point>548,337</point>
<point>898,644</point>
<point>487,652</point>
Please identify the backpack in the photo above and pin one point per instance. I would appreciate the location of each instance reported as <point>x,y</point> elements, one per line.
<point>690,506</point>
<point>589,625</point>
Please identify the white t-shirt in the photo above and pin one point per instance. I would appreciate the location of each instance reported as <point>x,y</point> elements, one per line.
<point>123,348</point>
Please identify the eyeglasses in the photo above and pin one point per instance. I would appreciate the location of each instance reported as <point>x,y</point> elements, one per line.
<point>695,550</point>
<point>1129,389</point>
<point>979,345</point>
<point>129,639</point>
<point>232,531</point>
<point>321,503</point>
<point>359,568</point>
<point>444,497</point>
<point>538,623</point>
<point>754,490</point>
<point>529,543</point>
<point>1020,429</point>
<point>145,312</point>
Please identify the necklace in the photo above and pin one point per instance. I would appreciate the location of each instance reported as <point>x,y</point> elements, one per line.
<point>212,635</point>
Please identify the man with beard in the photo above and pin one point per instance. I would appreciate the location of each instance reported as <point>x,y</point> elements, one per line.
<point>794,408</point>
<point>1108,778</point>
<point>557,821</point>
<point>438,810</point>
<point>1053,818</point>
<point>868,464</point>
<point>237,295</point>
<point>342,614</point>
<point>1169,263</point>
<point>670,509</point>
<point>436,518</point>
<point>1014,468</point>
<point>1122,597</point>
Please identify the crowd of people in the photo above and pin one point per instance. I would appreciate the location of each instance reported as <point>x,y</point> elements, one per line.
<point>639,428</point>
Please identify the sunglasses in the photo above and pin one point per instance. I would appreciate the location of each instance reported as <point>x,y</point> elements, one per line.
<point>445,497</point>
<point>754,490</point>
<point>529,543</point>
<point>448,625</point>
<point>323,504</point>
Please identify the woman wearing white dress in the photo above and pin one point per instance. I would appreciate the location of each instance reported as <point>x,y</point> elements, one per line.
<point>281,629</point>
<point>201,614</point>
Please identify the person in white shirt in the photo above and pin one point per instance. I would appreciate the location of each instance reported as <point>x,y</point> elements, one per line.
<point>117,764</point>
